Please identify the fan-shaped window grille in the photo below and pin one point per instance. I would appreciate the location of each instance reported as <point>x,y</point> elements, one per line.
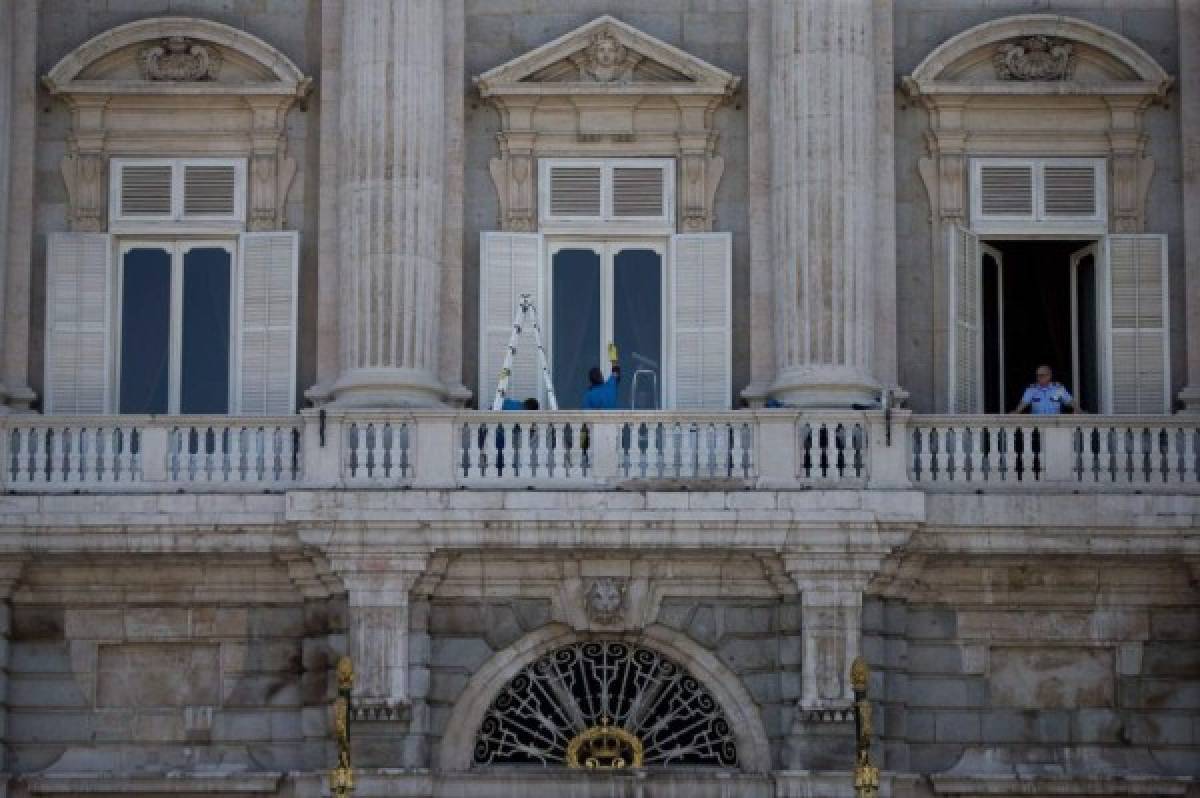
<point>605,704</point>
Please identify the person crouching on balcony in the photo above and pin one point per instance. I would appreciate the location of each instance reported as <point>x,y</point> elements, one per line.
<point>1044,397</point>
<point>602,395</point>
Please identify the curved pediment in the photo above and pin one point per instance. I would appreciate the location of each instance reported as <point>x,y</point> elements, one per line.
<point>176,55</point>
<point>1038,54</point>
<point>606,56</point>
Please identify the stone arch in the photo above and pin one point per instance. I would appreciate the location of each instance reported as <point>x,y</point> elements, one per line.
<point>1138,64</point>
<point>275,66</point>
<point>458,740</point>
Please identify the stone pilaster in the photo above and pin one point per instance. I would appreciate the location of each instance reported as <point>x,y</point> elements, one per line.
<point>1189,137</point>
<point>18,112</point>
<point>390,184</point>
<point>823,186</point>
<point>377,585</point>
<point>10,573</point>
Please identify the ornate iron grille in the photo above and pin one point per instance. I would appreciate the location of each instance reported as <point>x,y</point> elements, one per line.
<point>580,689</point>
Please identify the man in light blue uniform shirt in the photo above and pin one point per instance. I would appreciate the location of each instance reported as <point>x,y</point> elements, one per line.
<point>1044,397</point>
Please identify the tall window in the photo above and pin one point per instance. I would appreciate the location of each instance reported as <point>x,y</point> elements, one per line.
<point>175,331</point>
<point>607,266</point>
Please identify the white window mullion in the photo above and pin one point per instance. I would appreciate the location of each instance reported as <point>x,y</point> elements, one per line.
<point>176,336</point>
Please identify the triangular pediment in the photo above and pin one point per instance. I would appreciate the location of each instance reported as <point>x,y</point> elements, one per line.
<point>607,55</point>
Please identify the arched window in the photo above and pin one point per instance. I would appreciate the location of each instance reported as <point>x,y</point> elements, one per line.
<point>605,704</point>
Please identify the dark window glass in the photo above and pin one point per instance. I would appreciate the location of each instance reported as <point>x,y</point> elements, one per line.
<point>576,323</point>
<point>637,327</point>
<point>204,370</point>
<point>145,330</point>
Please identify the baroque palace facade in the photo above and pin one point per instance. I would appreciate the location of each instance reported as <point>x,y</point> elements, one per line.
<point>260,265</point>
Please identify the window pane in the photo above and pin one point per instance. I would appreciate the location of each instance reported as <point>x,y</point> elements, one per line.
<point>576,304</point>
<point>204,371</point>
<point>145,330</point>
<point>637,326</point>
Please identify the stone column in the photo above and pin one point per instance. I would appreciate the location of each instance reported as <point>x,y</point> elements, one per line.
<point>18,119</point>
<point>390,185</point>
<point>1189,137</point>
<point>823,185</point>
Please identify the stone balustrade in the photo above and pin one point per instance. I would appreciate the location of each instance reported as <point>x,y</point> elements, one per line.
<point>570,450</point>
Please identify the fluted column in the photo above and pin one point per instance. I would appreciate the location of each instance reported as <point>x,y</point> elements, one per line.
<point>391,178</point>
<point>823,127</point>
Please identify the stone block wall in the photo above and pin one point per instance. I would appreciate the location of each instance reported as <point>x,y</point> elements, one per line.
<point>1072,682</point>
<point>141,680</point>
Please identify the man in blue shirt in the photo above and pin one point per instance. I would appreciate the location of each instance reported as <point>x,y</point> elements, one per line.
<point>602,395</point>
<point>1045,398</point>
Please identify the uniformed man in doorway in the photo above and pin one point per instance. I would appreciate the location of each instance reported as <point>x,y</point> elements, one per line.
<point>1045,397</point>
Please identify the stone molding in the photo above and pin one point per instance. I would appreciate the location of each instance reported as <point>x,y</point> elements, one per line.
<point>740,709</point>
<point>978,108</point>
<point>126,84</point>
<point>608,77</point>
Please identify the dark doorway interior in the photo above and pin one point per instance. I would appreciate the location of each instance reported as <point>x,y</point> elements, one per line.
<point>1033,322</point>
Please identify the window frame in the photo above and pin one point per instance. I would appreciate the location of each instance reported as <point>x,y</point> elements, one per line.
<point>177,221</point>
<point>1038,221</point>
<point>176,248</point>
<point>608,247</point>
<point>606,224</point>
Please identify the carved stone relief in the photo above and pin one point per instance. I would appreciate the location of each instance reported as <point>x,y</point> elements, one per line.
<point>1035,58</point>
<point>606,599</point>
<point>605,59</point>
<point>178,58</point>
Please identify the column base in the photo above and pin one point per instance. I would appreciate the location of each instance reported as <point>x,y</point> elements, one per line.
<point>387,387</point>
<point>1189,401</point>
<point>826,386</point>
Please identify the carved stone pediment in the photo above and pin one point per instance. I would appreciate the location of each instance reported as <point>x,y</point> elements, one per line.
<point>145,88</point>
<point>606,89</point>
<point>606,55</point>
<point>170,55</point>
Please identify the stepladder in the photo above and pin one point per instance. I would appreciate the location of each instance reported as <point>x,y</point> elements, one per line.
<point>526,315</point>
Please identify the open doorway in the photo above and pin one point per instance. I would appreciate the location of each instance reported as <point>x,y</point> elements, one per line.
<point>1040,305</point>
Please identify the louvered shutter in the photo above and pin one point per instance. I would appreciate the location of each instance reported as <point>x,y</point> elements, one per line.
<point>638,191</point>
<point>1006,191</point>
<point>575,191</point>
<point>966,338</point>
<point>144,190</point>
<point>210,190</point>
<point>1069,191</point>
<point>1137,324</point>
<point>78,319</point>
<point>510,266</point>
<point>701,330</point>
<point>267,323</point>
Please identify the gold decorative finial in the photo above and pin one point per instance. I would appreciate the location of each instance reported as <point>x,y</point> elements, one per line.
<point>341,778</point>
<point>866,775</point>
<point>859,672</point>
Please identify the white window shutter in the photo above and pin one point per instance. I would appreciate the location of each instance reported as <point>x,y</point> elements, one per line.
<point>701,371</point>
<point>638,191</point>
<point>1070,190</point>
<point>510,265</point>
<point>210,190</point>
<point>1138,355</point>
<point>1006,190</point>
<point>78,323</point>
<point>144,190</point>
<point>966,322</point>
<point>575,191</point>
<point>267,323</point>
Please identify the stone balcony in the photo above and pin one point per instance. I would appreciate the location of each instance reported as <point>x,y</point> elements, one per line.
<point>774,450</point>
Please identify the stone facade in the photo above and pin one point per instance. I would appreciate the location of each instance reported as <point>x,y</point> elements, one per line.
<point>175,592</point>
